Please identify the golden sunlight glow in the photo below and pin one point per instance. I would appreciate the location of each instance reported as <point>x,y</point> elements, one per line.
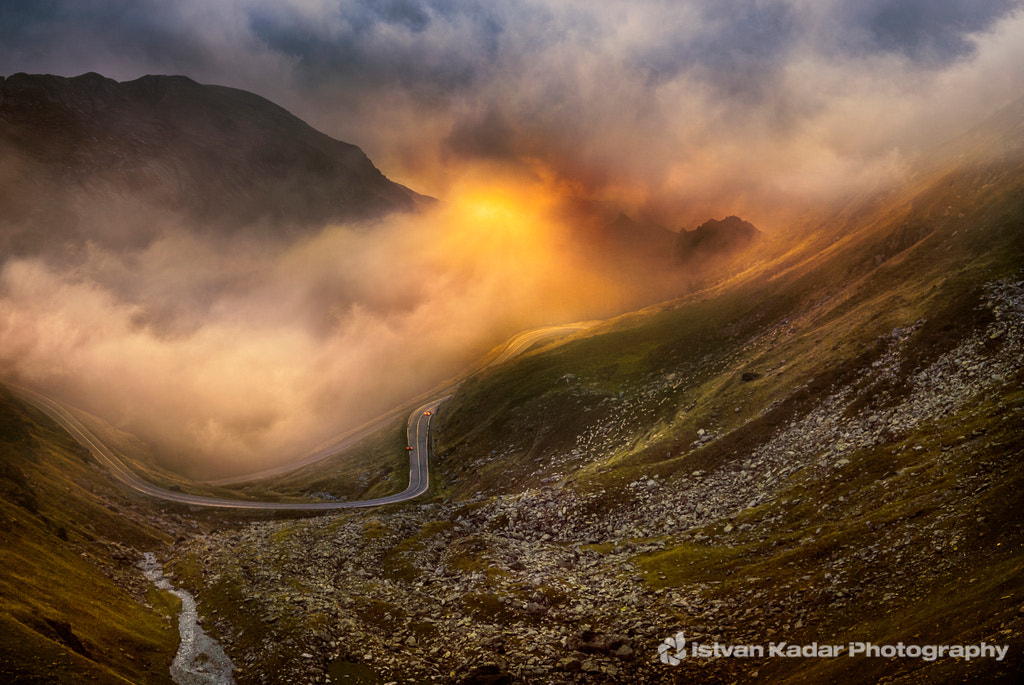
<point>502,202</point>
<point>504,235</point>
<point>503,220</point>
<point>492,206</point>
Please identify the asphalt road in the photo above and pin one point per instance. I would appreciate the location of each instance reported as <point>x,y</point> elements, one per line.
<point>514,347</point>
<point>418,433</point>
<point>524,341</point>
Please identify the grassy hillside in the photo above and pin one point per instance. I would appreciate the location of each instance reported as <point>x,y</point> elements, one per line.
<point>841,423</point>
<point>73,606</point>
<point>376,466</point>
<point>824,447</point>
<point>808,315</point>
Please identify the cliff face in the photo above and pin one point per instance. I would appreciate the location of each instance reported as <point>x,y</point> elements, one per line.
<point>216,156</point>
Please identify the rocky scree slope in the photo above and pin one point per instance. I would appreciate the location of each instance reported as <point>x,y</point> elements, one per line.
<point>826,449</point>
<point>882,526</point>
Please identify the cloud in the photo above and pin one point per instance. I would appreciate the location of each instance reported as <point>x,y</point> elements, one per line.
<point>425,49</point>
<point>230,357</point>
<point>930,34</point>
<point>636,104</point>
<point>678,111</point>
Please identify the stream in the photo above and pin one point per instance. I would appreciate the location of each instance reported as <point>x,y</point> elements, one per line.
<point>200,659</point>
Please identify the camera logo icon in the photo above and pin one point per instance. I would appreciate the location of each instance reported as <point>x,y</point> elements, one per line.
<point>673,649</point>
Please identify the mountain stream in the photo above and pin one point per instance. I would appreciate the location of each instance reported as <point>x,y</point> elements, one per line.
<point>200,659</point>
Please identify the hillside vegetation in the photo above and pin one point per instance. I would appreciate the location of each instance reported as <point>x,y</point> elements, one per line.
<point>824,447</point>
<point>73,606</point>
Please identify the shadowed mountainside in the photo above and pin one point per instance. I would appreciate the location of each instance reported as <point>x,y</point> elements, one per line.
<point>88,147</point>
<point>715,239</point>
<point>631,239</point>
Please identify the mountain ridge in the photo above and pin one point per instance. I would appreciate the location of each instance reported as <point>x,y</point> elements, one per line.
<point>715,239</point>
<point>219,156</point>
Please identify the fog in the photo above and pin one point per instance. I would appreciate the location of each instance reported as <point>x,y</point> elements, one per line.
<point>665,108</point>
<point>235,356</point>
<point>232,356</point>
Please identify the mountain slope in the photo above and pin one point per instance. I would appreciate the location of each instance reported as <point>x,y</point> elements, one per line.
<point>843,425</point>
<point>629,240</point>
<point>824,448</point>
<point>89,150</point>
<point>73,605</point>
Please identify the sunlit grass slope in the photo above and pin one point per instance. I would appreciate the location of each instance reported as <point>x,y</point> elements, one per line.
<point>799,321</point>
<point>693,389</point>
<point>73,608</point>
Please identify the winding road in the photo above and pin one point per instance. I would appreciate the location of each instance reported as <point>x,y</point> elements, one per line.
<point>418,432</point>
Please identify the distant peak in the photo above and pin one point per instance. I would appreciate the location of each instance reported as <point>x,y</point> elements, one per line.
<point>716,238</point>
<point>729,223</point>
<point>172,79</point>
<point>91,77</point>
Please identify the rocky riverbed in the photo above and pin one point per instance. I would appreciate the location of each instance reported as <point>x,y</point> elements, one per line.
<point>200,660</point>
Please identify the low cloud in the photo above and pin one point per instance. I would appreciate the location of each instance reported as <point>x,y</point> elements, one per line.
<point>228,358</point>
<point>248,352</point>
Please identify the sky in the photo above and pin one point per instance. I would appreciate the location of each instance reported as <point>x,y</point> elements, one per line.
<point>677,109</point>
<point>231,359</point>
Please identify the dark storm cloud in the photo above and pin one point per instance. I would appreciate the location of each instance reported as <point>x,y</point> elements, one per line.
<point>454,44</point>
<point>737,49</point>
<point>738,36</point>
<point>931,33</point>
<point>595,94</point>
<point>479,62</point>
<point>429,47</point>
<point>148,32</point>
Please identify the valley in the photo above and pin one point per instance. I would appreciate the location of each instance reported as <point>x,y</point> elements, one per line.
<point>815,442</point>
<point>793,456</point>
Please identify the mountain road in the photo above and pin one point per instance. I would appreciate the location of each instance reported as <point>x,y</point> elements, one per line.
<point>418,433</point>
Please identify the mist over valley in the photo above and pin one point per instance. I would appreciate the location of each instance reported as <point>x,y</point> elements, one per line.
<point>205,270</point>
<point>499,343</point>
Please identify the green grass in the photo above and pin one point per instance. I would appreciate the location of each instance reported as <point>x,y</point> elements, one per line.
<point>62,617</point>
<point>376,467</point>
<point>809,319</point>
